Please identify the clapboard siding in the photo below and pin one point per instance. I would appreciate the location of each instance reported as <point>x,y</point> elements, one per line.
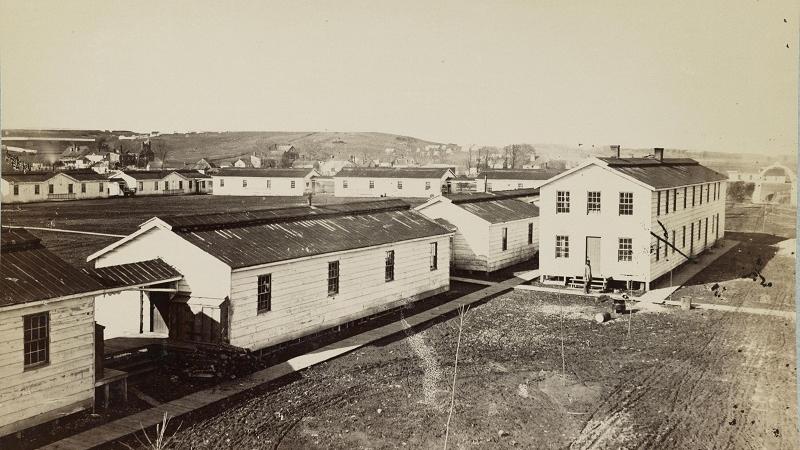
<point>505,184</point>
<point>300,302</point>
<point>677,219</point>
<point>60,182</point>
<point>470,244</point>
<point>388,187</point>
<point>518,249</point>
<point>278,186</point>
<point>66,380</point>
<point>607,224</point>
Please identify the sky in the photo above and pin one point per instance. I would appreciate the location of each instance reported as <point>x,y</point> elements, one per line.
<point>701,74</point>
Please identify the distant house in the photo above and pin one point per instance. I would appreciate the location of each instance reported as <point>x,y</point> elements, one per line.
<point>269,182</point>
<point>241,163</point>
<point>204,165</point>
<point>505,179</point>
<point>776,184</point>
<point>271,276</point>
<point>331,167</point>
<point>391,182</point>
<point>633,219</point>
<point>493,231</point>
<point>51,186</point>
<point>305,164</point>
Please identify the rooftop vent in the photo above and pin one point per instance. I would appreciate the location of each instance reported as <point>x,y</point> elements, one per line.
<point>659,153</point>
<point>615,149</point>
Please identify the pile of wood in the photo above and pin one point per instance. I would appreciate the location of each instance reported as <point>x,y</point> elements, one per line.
<point>212,362</point>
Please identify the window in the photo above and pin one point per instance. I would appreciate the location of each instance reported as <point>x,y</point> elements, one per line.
<point>292,184</point>
<point>166,185</point>
<point>434,257</point>
<point>562,246</point>
<point>562,202</point>
<point>69,188</point>
<point>683,239</point>
<point>269,184</point>
<point>389,275</point>
<point>488,187</point>
<point>666,245</point>
<point>593,202</point>
<point>519,185</point>
<point>658,203</point>
<point>626,203</point>
<point>427,185</point>
<point>372,184</point>
<point>693,195</point>
<point>701,194</point>
<point>685,196</point>
<point>190,185</point>
<point>505,239</point>
<point>155,185</point>
<point>530,233</point>
<point>180,184</point>
<point>222,182</point>
<point>36,189</point>
<point>333,278</point>
<point>16,189</point>
<point>699,224</point>
<point>658,249</point>
<point>36,328</point>
<point>625,251</point>
<point>264,293</point>
<point>673,242</point>
<point>715,191</point>
<point>141,186</point>
<point>666,203</point>
<point>50,189</point>
<point>399,184</point>
<point>708,192</point>
<point>203,184</point>
<point>674,200</point>
<point>83,188</point>
<point>101,187</point>
<point>244,183</point>
<point>344,184</point>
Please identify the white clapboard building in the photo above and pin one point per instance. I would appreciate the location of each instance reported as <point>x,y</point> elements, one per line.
<point>634,219</point>
<point>392,182</point>
<point>505,179</point>
<point>52,186</point>
<point>493,231</point>
<point>281,274</point>
<point>267,182</point>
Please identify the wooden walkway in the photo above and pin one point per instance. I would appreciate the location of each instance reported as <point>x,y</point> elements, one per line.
<point>134,423</point>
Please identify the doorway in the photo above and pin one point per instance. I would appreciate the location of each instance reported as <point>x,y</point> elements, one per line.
<point>593,254</point>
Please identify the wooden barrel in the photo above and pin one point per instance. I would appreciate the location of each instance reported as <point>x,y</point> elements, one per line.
<point>602,317</point>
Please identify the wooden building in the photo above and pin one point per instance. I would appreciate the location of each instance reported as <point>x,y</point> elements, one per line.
<point>634,219</point>
<point>267,182</point>
<point>52,186</point>
<point>392,182</point>
<point>165,182</point>
<point>493,231</point>
<point>270,276</point>
<point>506,179</point>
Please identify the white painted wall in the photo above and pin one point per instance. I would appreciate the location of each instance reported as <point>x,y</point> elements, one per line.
<point>388,187</point>
<point>506,184</point>
<point>60,182</point>
<point>300,301</point>
<point>266,186</point>
<point>67,381</point>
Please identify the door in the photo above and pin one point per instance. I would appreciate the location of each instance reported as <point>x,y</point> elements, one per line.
<point>593,254</point>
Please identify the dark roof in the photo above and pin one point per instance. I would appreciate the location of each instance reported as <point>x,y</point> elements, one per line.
<point>511,193</point>
<point>271,173</point>
<point>495,210</point>
<point>30,177</point>
<point>192,174</point>
<point>671,172</point>
<point>516,193</point>
<point>85,175</point>
<point>266,236</point>
<point>29,272</point>
<point>388,172</point>
<point>134,274</point>
<point>519,174</point>
<point>469,195</point>
<point>776,171</point>
<point>147,174</point>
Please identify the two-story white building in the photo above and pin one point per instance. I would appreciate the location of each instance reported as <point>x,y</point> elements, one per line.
<point>391,182</point>
<point>633,219</point>
<point>270,276</point>
<point>267,182</point>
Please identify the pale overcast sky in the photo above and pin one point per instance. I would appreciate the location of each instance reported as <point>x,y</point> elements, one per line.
<point>705,75</point>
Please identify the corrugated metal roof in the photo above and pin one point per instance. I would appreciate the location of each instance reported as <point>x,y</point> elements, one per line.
<point>669,173</point>
<point>268,236</point>
<point>512,193</point>
<point>519,174</point>
<point>516,193</point>
<point>499,210</point>
<point>29,272</point>
<point>387,172</point>
<point>266,173</point>
<point>134,274</point>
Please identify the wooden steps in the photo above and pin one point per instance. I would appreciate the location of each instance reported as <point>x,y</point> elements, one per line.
<point>596,284</point>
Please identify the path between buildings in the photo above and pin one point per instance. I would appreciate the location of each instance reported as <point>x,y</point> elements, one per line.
<point>134,423</point>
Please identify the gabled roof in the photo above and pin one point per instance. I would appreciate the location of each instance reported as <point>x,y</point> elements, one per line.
<point>30,177</point>
<point>267,236</point>
<point>141,175</point>
<point>494,210</point>
<point>85,175</point>
<point>519,174</point>
<point>265,173</point>
<point>189,173</point>
<point>652,173</point>
<point>29,272</point>
<point>135,274</point>
<point>388,172</point>
<point>667,173</point>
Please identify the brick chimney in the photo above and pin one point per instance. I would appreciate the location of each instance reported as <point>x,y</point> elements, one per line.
<point>659,153</point>
<point>615,150</point>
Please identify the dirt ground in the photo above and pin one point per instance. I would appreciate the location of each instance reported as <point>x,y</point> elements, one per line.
<point>683,379</point>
